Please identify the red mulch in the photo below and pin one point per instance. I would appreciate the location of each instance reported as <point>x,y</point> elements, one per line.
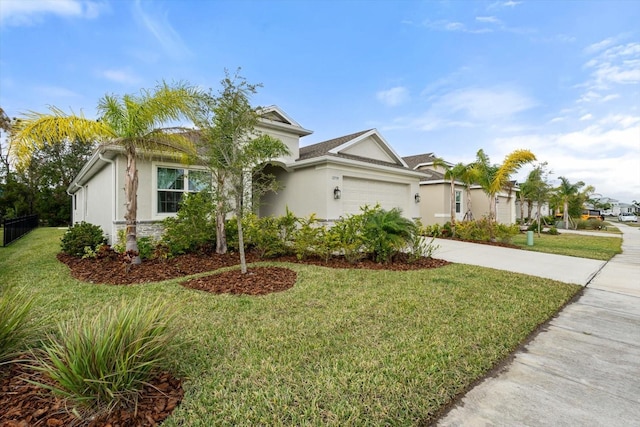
<point>23,404</point>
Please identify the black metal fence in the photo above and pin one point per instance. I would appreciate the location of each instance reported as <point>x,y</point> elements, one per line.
<point>17,227</point>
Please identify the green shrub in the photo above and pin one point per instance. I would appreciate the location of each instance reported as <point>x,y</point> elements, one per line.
<point>434,230</point>
<point>193,228</point>
<point>420,247</point>
<point>15,331</point>
<point>348,235</point>
<point>309,238</point>
<point>80,236</point>
<point>264,235</point>
<point>479,230</point>
<point>386,233</point>
<point>105,360</point>
<point>231,231</point>
<point>505,232</point>
<point>553,231</point>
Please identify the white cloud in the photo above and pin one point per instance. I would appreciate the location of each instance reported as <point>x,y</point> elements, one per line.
<point>597,47</point>
<point>120,76</point>
<point>486,104</point>
<point>508,3</point>
<point>394,96</point>
<point>488,19</point>
<point>605,153</point>
<point>27,12</point>
<point>586,117</point>
<point>157,23</point>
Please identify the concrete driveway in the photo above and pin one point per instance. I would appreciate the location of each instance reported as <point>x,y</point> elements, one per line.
<point>584,368</point>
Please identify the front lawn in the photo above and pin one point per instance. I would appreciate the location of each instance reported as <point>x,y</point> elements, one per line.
<point>342,347</point>
<point>578,245</point>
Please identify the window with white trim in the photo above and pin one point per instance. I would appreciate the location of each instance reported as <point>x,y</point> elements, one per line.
<point>458,201</point>
<point>173,183</point>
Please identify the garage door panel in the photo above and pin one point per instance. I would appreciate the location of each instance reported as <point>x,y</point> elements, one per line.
<point>358,192</point>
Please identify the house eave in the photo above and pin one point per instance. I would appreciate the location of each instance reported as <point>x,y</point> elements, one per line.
<point>350,162</point>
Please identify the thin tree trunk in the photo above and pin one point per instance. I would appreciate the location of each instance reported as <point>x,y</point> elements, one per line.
<point>565,215</point>
<point>131,205</point>
<point>538,212</point>
<point>243,261</point>
<point>221,235</point>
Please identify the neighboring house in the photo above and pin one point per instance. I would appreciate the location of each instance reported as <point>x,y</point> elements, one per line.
<point>331,179</point>
<point>435,193</point>
<point>545,210</point>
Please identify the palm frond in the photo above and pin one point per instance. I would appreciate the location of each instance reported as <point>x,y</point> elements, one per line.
<point>37,129</point>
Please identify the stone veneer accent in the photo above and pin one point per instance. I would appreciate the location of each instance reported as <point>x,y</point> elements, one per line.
<point>143,229</point>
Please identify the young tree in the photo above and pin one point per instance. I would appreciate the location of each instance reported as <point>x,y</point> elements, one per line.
<point>453,174</point>
<point>232,148</point>
<point>538,189</point>
<point>134,122</point>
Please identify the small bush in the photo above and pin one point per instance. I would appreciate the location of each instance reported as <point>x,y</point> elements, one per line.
<point>387,233</point>
<point>348,236</point>
<point>192,228</point>
<point>309,238</point>
<point>15,331</point>
<point>80,236</point>
<point>267,234</point>
<point>104,361</point>
<point>553,231</point>
<point>505,233</point>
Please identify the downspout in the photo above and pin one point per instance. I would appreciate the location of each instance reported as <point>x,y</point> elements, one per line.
<point>114,234</point>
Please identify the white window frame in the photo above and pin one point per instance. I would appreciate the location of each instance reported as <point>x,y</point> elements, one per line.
<point>458,201</point>
<point>155,189</point>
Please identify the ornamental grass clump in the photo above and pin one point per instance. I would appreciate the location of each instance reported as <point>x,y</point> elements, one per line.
<point>15,329</point>
<point>103,362</point>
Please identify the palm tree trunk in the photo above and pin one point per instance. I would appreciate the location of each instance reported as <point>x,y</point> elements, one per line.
<point>131,205</point>
<point>565,214</point>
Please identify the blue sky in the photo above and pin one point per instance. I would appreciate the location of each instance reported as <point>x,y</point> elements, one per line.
<point>561,78</point>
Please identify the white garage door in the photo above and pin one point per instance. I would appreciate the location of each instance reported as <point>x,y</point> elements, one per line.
<point>358,192</point>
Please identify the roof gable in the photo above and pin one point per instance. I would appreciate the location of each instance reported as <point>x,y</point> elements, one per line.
<point>367,145</point>
<point>274,117</point>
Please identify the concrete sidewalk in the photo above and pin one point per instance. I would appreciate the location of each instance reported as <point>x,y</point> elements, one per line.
<point>584,369</point>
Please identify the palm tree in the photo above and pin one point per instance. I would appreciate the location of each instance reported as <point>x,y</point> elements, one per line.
<point>565,192</point>
<point>455,173</point>
<point>494,178</point>
<point>134,122</point>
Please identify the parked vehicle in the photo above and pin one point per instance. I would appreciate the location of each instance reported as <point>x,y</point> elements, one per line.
<point>627,217</point>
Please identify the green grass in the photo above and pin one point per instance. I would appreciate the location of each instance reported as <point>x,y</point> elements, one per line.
<point>578,245</point>
<point>342,347</point>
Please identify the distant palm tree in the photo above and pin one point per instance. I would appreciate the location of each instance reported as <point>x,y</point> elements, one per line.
<point>494,178</point>
<point>131,121</point>
<point>565,192</point>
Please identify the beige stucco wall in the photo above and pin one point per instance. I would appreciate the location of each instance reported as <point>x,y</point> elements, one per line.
<point>96,205</point>
<point>506,207</point>
<point>435,204</point>
<point>310,190</point>
<point>291,141</point>
<point>369,148</point>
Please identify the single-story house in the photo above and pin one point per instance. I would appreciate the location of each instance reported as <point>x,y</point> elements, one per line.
<point>436,191</point>
<point>331,179</point>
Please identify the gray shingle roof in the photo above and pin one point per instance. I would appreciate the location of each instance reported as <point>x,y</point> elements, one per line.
<point>418,159</point>
<point>323,148</point>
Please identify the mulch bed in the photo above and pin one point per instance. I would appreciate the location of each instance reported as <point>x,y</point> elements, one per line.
<point>111,269</point>
<point>24,404</point>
